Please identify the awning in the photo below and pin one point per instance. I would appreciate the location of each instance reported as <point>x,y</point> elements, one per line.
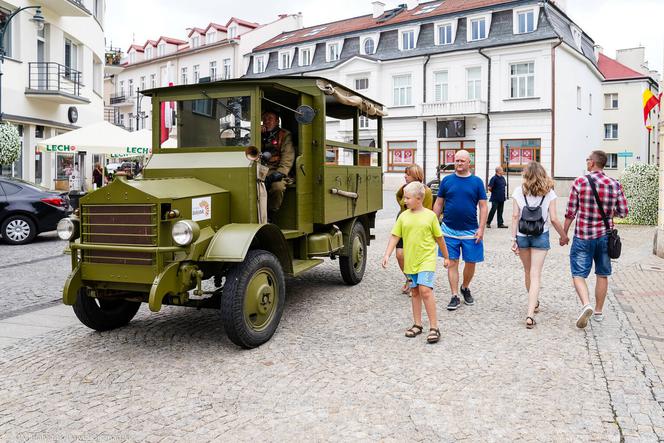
<point>97,138</point>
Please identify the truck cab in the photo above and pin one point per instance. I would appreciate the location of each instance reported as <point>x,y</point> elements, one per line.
<point>198,212</point>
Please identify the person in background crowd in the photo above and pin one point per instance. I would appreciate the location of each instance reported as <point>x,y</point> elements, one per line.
<point>537,189</point>
<point>412,173</point>
<point>497,186</point>
<point>98,176</point>
<point>590,242</point>
<point>460,194</point>
<point>419,227</point>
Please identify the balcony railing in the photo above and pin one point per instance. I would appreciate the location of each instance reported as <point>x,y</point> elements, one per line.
<point>119,98</point>
<point>464,107</point>
<point>55,78</point>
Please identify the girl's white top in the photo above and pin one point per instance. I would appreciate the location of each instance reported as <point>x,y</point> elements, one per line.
<point>532,202</point>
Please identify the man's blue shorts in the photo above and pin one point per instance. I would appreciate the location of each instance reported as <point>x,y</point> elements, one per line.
<point>424,278</point>
<point>470,251</point>
<point>584,252</point>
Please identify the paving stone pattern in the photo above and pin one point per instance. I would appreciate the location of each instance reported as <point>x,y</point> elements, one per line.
<point>340,369</point>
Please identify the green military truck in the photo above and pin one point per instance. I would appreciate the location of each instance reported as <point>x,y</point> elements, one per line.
<point>197,213</point>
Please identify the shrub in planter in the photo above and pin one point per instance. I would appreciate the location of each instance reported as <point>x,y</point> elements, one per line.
<point>10,144</point>
<point>640,182</point>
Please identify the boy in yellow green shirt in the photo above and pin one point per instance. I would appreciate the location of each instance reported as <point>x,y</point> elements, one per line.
<point>420,230</point>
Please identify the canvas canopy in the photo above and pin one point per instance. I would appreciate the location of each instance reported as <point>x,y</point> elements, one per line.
<point>97,138</point>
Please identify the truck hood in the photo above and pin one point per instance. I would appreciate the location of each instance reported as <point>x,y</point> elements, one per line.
<point>160,189</point>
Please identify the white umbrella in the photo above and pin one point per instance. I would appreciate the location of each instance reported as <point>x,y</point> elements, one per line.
<point>143,139</point>
<point>97,138</point>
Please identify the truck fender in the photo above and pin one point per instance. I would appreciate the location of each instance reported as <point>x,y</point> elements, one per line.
<point>232,242</point>
<point>72,285</point>
<point>346,228</point>
<point>164,283</point>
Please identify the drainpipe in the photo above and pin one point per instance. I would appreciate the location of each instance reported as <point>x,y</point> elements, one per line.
<point>424,123</point>
<point>488,118</point>
<point>553,93</point>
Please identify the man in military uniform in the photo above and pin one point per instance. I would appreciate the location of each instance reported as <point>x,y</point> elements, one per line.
<point>279,143</point>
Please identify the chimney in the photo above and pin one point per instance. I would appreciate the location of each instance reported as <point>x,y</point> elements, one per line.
<point>378,8</point>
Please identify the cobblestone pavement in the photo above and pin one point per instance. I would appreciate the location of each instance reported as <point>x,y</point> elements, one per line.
<point>339,367</point>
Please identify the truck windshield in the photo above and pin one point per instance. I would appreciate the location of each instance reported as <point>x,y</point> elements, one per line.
<point>206,123</point>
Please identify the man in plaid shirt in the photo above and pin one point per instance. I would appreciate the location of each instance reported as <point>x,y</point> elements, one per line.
<point>590,242</point>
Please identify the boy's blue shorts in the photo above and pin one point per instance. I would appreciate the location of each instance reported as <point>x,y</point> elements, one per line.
<point>424,278</point>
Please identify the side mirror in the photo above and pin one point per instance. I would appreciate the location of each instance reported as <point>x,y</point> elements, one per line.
<point>305,114</point>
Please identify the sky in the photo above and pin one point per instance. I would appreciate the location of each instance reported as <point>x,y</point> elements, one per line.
<point>613,24</point>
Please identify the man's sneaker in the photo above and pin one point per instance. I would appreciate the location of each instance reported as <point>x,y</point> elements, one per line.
<point>467,298</point>
<point>488,225</point>
<point>584,316</point>
<point>454,303</point>
<point>598,316</point>
<point>502,226</point>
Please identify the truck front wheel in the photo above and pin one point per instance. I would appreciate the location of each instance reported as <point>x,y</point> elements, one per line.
<point>253,299</point>
<point>103,314</point>
<point>353,265</point>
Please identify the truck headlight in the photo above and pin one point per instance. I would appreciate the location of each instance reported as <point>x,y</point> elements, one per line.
<point>67,229</point>
<point>185,232</point>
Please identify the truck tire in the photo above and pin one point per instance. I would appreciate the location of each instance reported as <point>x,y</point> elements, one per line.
<point>253,299</point>
<point>18,230</point>
<point>103,314</point>
<point>353,265</point>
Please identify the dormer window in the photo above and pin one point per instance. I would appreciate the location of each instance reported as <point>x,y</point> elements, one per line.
<point>132,57</point>
<point>407,39</point>
<point>284,60</point>
<point>368,44</point>
<point>211,37</point>
<point>478,28</point>
<point>148,52</point>
<point>232,32</point>
<point>259,64</point>
<point>195,42</point>
<point>576,34</point>
<point>161,50</point>
<point>333,51</point>
<point>306,55</point>
<point>445,33</point>
<point>525,20</point>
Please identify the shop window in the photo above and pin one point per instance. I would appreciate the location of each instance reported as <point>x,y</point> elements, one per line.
<point>516,154</point>
<point>447,151</point>
<point>400,154</point>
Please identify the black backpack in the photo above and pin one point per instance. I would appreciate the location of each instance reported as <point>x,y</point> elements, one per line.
<point>531,221</point>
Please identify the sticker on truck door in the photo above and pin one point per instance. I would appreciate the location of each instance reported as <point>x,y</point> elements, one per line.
<point>201,208</point>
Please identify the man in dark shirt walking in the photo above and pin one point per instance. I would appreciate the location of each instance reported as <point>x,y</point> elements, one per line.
<point>497,186</point>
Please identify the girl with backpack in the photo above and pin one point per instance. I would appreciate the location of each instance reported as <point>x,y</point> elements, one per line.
<point>534,212</point>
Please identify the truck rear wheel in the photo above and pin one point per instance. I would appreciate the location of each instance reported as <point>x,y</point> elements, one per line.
<point>103,314</point>
<point>353,265</point>
<point>253,299</point>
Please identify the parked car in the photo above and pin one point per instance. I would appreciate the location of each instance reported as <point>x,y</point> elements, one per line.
<point>112,167</point>
<point>27,209</point>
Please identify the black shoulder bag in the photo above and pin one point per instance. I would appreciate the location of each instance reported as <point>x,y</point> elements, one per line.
<point>531,221</point>
<point>614,245</point>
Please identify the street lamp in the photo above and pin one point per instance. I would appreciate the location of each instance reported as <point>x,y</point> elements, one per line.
<point>140,115</point>
<point>38,20</point>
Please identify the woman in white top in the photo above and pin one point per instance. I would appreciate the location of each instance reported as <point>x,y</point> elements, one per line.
<point>536,190</point>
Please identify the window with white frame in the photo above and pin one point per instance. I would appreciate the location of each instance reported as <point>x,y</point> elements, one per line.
<point>333,51</point>
<point>305,56</point>
<point>522,80</point>
<point>196,73</point>
<point>161,50</point>
<point>148,53</point>
<point>407,39</point>
<point>611,131</point>
<point>578,97</point>
<point>195,41</point>
<point>183,76</point>
<point>153,81</point>
<point>361,83</point>
<point>440,85</point>
<point>142,83</point>
<point>97,72</point>
<point>132,57</point>
<point>474,83</point>
<point>525,21</point>
<point>8,37</point>
<point>611,161</point>
<point>369,46</point>
<point>444,34</point>
<point>403,90</point>
<point>121,89</point>
<point>284,60</point>
<point>131,87</point>
<point>232,32</point>
<point>71,57</point>
<point>213,70</point>
<point>610,101</point>
<point>211,37</point>
<point>259,64</point>
<point>478,28</point>
<point>226,68</point>
<point>364,122</point>
<point>576,35</point>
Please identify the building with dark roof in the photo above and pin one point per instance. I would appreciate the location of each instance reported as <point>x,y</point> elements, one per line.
<point>509,80</point>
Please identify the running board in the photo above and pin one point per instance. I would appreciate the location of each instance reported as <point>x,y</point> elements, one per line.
<point>299,266</point>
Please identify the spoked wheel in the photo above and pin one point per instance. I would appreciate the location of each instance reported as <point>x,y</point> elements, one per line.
<point>103,314</point>
<point>18,230</point>
<point>253,299</point>
<point>353,265</point>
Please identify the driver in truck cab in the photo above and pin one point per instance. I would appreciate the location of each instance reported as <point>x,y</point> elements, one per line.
<point>279,143</point>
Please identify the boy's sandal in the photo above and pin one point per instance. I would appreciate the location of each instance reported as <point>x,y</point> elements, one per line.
<point>434,335</point>
<point>532,323</point>
<point>413,331</point>
<point>537,309</point>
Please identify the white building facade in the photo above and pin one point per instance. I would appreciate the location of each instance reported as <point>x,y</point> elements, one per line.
<point>208,54</point>
<point>625,137</point>
<point>509,81</point>
<point>52,82</point>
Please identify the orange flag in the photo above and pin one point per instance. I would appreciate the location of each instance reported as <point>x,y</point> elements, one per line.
<point>649,102</point>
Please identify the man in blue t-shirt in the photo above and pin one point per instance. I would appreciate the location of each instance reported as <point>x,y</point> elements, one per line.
<point>461,193</point>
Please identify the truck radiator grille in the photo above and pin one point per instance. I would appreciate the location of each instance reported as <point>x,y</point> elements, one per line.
<point>122,225</point>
